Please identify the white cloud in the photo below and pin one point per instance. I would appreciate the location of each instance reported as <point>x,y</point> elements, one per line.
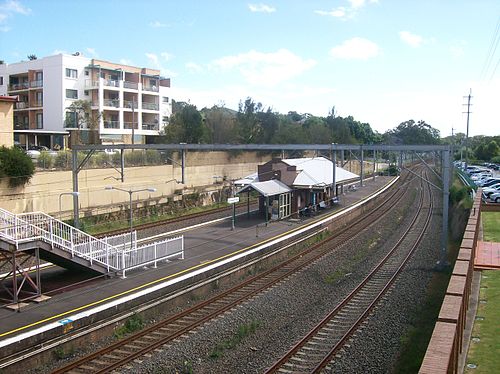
<point>92,52</point>
<point>261,8</point>
<point>266,69</point>
<point>8,9</point>
<point>411,39</point>
<point>154,60</point>
<point>125,61</point>
<point>355,49</point>
<point>193,67</point>
<point>59,51</point>
<point>166,56</point>
<point>157,24</point>
<point>14,6</point>
<point>339,12</point>
<point>343,12</point>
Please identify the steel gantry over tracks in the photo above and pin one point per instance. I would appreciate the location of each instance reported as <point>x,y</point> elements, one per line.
<point>441,153</point>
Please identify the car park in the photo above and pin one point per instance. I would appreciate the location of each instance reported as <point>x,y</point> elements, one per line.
<point>491,182</point>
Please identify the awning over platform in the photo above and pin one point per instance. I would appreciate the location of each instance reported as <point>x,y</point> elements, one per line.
<point>267,188</point>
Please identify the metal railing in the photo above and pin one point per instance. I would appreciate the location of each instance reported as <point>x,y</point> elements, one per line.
<point>132,85</point>
<point>150,106</point>
<point>37,104</point>
<point>129,104</point>
<point>112,102</point>
<point>18,86</point>
<point>109,253</point>
<point>89,83</point>
<point>150,88</point>
<point>111,83</point>
<point>150,126</point>
<point>128,125</point>
<point>111,124</point>
<point>37,83</point>
<point>22,105</point>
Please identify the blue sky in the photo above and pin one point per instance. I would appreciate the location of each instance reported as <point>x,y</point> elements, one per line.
<point>383,62</point>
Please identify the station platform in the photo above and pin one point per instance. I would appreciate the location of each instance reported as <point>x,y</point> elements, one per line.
<point>206,247</point>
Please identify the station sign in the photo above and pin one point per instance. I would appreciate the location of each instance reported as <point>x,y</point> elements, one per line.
<point>233,200</point>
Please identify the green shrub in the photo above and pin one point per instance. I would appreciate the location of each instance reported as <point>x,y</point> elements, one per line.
<point>153,157</point>
<point>62,160</point>
<point>134,158</point>
<point>134,323</point>
<point>100,159</point>
<point>16,165</point>
<point>45,160</point>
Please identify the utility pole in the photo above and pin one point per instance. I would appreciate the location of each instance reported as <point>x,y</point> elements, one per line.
<point>467,134</point>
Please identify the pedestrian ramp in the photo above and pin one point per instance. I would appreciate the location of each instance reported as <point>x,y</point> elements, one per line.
<point>67,246</point>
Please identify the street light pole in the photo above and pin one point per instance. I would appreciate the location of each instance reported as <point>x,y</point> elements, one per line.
<point>130,192</point>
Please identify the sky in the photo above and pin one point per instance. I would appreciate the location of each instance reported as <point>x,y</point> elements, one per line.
<point>381,61</point>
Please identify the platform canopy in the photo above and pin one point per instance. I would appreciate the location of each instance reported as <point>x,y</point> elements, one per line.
<point>268,188</point>
<point>317,172</point>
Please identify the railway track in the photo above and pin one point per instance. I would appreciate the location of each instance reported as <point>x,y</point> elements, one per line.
<point>145,226</point>
<point>315,351</point>
<point>162,333</point>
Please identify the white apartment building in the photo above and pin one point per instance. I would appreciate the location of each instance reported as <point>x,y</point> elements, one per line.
<point>131,101</point>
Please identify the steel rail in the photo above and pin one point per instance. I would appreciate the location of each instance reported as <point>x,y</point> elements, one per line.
<point>325,322</point>
<point>276,274</point>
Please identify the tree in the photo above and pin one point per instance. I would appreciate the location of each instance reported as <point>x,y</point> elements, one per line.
<point>186,126</point>
<point>221,124</point>
<point>80,116</point>
<point>32,57</point>
<point>409,132</point>
<point>248,122</point>
<point>487,151</point>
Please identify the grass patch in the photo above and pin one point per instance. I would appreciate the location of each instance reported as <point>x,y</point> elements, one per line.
<point>243,331</point>
<point>484,353</point>
<point>491,225</point>
<point>335,276</point>
<point>61,353</point>
<point>134,323</point>
<point>416,340</point>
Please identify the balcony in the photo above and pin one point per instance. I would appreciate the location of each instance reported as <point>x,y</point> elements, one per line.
<point>115,103</point>
<point>150,88</point>
<point>150,126</point>
<point>21,126</point>
<point>128,104</point>
<point>111,124</point>
<point>128,125</point>
<point>89,83</point>
<point>150,106</point>
<point>37,104</point>
<point>22,105</point>
<point>36,84</point>
<point>130,85</point>
<point>111,83</point>
<point>18,86</point>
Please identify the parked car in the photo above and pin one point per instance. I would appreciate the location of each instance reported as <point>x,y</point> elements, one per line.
<point>486,182</point>
<point>491,190</point>
<point>495,197</point>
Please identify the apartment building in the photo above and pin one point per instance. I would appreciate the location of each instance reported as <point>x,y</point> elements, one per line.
<point>132,104</point>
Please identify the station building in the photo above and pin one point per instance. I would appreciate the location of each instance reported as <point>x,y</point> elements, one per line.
<point>129,101</point>
<point>289,187</point>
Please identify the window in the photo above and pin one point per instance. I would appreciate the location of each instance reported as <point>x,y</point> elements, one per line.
<point>164,99</point>
<point>152,82</point>
<point>1,81</point>
<point>39,120</point>
<point>71,94</point>
<point>165,120</point>
<point>71,73</point>
<point>87,73</point>
<point>86,92</point>
<point>39,76</point>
